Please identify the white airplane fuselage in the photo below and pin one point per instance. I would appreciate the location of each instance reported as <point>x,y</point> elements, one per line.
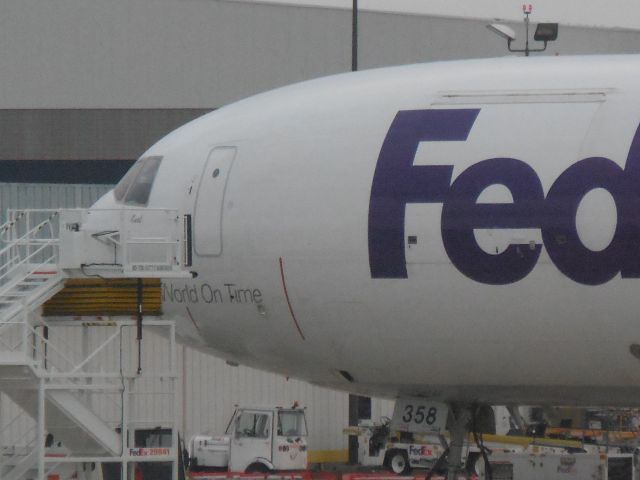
<point>464,231</point>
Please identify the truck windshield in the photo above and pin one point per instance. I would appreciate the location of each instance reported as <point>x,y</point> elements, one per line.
<point>253,425</point>
<point>292,423</point>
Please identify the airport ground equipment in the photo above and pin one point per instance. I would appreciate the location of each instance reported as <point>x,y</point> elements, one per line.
<point>514,457</point>
<point>51,366</point>
<point>258,439</point>
<point>539,466</point>
<point>595,435</point>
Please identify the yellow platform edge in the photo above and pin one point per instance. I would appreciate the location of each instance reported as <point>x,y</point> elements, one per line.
<point>328,456</point>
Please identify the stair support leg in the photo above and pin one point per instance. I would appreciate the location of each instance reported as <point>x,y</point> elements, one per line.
<point>41,425</point>
<point>175,444</point>
<point>126,412</point>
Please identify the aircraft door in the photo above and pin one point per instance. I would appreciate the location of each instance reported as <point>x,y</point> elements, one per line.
<point>210,201</point>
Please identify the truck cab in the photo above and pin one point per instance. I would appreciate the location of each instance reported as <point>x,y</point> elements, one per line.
<point>258,439</point>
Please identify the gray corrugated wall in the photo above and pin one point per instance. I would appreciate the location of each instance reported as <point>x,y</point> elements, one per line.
<point>42,195</point>
<point>194,53</point>
<point>86,134</point>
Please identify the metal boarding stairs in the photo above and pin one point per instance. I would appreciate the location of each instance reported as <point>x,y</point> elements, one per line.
<point>28,273</point>
<point>39,251</point>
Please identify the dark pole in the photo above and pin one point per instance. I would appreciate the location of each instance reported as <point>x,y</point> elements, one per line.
<point>526,25</point>
<point>354,37</point>
<point>139,298</point>
<point>359,409</point>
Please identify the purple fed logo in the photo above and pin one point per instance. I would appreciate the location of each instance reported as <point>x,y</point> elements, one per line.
<point>398,182</point>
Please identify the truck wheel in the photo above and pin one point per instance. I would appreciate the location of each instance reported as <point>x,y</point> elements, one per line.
<point>398,462</point>
<point>257,468</point>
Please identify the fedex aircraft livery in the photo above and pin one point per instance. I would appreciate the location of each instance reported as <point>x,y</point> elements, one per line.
<point>397,182</point>
<point>462,232</point>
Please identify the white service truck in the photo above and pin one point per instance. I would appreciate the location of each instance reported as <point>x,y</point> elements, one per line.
<point>258,439</point>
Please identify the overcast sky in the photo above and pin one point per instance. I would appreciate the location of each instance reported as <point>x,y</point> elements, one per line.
<point>605,13</point>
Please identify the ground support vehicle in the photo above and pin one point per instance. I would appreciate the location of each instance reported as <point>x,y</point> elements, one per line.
<point>258,439</point>
<point>541,466</point>
<point>403,451</point>
<point>512,457</point>
<point>593,435</point>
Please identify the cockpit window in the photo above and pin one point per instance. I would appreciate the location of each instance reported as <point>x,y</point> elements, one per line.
<point>135,186</point>
<point>125,182</point>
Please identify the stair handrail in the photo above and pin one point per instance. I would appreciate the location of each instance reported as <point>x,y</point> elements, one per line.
<point>49,345</point>
<point>72,374</point>
<point>98,350</point>
<point>4,324</point>
<point>7,226</point>
<point>8,286</point>
<point>10,223</point>
<point>15,266</point>
<point>11,243</point>
<point>14,260</point>
<point>11,311</point>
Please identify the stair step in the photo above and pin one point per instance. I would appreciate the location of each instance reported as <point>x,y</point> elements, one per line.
<point>27,279</point>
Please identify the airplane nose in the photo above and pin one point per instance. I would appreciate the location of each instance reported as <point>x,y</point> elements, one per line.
<point>106,202</point>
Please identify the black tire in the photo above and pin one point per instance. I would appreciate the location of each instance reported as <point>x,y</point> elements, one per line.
<point>398,462</point>
<point>257,468</point>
